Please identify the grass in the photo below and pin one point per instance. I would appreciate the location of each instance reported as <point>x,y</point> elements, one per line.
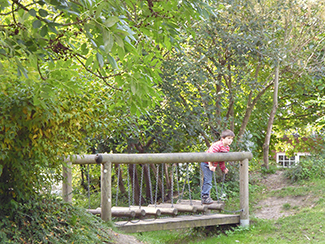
<point>306,225</point>
<point>49,220</point>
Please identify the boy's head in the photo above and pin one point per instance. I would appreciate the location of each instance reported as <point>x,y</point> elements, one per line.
<point>227,137</point>
<point>226,133</point>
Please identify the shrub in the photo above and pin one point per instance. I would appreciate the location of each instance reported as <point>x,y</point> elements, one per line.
<point>310,168</point>
<point>45,219</point>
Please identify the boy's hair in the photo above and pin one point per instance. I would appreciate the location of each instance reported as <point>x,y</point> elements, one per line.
<point>226,133</point>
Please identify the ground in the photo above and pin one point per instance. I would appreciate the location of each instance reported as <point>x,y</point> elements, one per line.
<point>274,207</point>
<point>270,208</point>
<point>124,239</point>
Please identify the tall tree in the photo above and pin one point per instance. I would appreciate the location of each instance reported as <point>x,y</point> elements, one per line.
<point>299,29</point>
<point>79,64</point>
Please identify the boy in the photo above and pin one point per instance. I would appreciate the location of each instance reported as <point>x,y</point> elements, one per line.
<point>208,168</point>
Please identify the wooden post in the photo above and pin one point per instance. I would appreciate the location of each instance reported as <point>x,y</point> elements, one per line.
<point>243,188</point>
<point>67,182</point>
<point>106,191</point>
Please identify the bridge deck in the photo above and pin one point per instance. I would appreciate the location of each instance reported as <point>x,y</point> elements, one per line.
<point>178,222</point>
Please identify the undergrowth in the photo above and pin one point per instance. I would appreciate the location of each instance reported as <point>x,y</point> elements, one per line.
<point>47,219</point>
<point>309,168</point>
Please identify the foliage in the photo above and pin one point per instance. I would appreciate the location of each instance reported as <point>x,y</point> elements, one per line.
<point>119,42</point>
<point>69,71</point>
<point>305,139</point>
<point>35,136</point>
<point>310,168</point>
<point>45,219</point>
<point>271,170</point>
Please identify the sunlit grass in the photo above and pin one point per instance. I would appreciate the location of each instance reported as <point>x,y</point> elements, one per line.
<point>307,224</point>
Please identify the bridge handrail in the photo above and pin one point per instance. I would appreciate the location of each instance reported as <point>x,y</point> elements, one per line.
<point>106,160</point>
<point>158,158</point>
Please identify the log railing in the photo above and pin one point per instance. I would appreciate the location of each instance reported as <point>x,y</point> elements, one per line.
<point>106,161</point>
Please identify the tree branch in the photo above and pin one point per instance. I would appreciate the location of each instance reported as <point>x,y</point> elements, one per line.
<point>99,76</point>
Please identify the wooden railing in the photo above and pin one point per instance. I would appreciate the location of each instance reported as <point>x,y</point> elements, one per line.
<point>106,161</point>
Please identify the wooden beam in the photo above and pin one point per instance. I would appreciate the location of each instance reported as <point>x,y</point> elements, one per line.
<point>244,193</point>
<point>106,194</point>
<point>179,222</point>
<point>158,158</point>
<point>67,182</point>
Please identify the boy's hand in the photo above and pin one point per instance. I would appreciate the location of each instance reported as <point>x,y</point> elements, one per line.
<point>226,171</point>
<point>212,168</point>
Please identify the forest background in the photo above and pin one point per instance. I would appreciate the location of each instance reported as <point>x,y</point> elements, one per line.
<point>153,76</point>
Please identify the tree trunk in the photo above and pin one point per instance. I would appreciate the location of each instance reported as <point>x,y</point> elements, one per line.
<point>147,181</point>
<point>266,144</point>
<point>230,113</point>
<point>249,108</point>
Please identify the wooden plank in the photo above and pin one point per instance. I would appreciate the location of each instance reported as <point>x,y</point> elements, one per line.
<point>165,210</point>
<point>180,207</point>
<point>148,210</point>
<point>116,212</point>
<point>213,206</point>
<point>127,212</point>
<point>179,222</point>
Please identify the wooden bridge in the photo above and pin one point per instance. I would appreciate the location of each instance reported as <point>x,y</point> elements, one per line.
<point>178,222</point>
<point>164,223</point>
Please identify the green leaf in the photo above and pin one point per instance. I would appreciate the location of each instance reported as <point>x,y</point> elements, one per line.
<point>32,12</point>
<point>121,52</point>
<point>111,21</point>
<point>52,27</point>
<point>112,61</point>
<point>84,49</point>
<point>133,108</point>
<point>37,24</point>
<point>100,60</point>
<point>108,41</point>
<point>119,40</point>
<point>89,61</point>
<point>21,68</point>
<point>43,12</point>
<point>100,9</point>
<point>44,31</point>
<point>1,167</point>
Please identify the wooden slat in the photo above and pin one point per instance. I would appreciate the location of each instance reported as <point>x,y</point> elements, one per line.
<point>148,210</point>
<point>214,206</point>
<point>180,207</point>
<point>124,212</point>
<point>165,210</point>
<point>179,222</point>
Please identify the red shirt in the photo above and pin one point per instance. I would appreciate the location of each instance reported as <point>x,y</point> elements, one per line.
<point>215,148</point>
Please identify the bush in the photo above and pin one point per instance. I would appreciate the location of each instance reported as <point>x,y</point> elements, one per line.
<point>310,168</point>
<point>46,219</point>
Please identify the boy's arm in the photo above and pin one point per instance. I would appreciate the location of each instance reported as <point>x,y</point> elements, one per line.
<point>211,167</point>
<point>223,168</point>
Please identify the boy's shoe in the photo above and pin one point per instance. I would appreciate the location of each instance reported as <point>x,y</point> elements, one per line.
<point>206,199</point>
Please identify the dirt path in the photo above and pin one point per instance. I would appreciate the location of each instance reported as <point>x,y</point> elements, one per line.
<point>274,207</point>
